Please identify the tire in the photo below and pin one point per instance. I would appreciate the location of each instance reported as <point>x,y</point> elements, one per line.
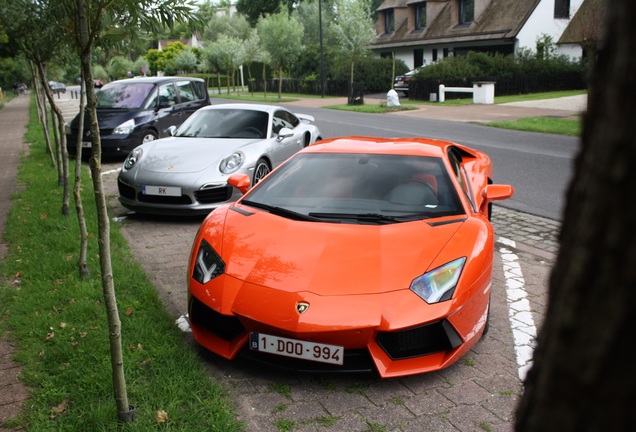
<point>148,136</point>
<point>487,325</point>
<point>307,140</point>
<point>261,170</point>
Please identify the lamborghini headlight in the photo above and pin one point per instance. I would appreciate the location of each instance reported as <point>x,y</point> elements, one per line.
<point>232,162</point>
<point>208,264</point>
<point>439,284</point>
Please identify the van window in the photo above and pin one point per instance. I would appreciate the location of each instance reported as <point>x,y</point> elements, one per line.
<point>186,91</point>
<point>199,89</point>
<point>167,94</point>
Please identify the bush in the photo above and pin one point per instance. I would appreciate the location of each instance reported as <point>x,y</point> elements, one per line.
<point>521,74</point>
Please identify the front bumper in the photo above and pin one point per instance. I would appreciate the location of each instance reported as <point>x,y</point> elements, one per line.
<point>194,203</point>
<point>394,333</point>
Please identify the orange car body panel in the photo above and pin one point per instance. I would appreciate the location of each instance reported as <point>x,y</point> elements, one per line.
<point>355,278</point>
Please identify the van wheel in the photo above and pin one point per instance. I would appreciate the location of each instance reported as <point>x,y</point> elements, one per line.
<point>261,170</point>
<point>149,135</point>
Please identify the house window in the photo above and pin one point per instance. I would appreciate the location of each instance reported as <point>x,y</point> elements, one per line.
<point>389,21</point>
<point>420,15</point>
<point>466,11</point>
<point>562,8</point>
<point>434,54</point>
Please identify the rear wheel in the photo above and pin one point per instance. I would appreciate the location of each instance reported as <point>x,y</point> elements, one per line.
<point>261,170</point>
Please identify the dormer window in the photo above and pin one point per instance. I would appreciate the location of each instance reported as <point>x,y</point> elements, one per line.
<point>562,8</point>
<point>389,21</point>
<point>420,15</point>
<point>466,11</point>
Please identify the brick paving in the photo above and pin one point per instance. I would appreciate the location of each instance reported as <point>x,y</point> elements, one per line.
<point>479,392</point>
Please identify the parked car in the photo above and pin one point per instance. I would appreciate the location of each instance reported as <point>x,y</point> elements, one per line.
<point>403,82</point>
<point>137,110</point>
<point>98,83</point>
<point>187,173</point>
<point>357,254</point>
<point>57,87</point>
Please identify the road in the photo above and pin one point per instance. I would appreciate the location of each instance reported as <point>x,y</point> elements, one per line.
<point>478,393</point>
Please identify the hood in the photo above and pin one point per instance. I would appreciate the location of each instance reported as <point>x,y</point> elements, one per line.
<point>329,258</point>
<point>182,155</point>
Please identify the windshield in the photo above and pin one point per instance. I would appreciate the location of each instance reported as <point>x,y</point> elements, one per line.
<point>225,123</point>
<point>359,188</point>
<point>123,95</point>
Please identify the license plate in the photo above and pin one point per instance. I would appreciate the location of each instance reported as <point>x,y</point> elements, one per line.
<point>161,190</point>
<point>299,349</point>
<point>86,144</point>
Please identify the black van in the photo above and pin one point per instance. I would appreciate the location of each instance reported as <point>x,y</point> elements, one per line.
<point>136,110</point>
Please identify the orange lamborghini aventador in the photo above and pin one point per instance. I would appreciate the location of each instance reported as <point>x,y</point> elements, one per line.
<point>356,254</point>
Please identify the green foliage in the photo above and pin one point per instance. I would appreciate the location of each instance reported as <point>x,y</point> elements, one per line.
<point>524,73</point>
<point>119,67</point>
<point>254,10</point>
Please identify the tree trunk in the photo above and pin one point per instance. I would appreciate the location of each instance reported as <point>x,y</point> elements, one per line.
<point>280,81</point>
<point>125,411</point>
<point>60,139</point>
<point>583,376</point>
<point>82,263</point>
<point>42,111</point>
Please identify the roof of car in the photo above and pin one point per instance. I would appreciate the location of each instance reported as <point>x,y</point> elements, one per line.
<point>361,144</point>
<point>154,80</point>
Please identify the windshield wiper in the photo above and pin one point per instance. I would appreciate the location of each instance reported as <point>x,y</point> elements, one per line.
<point>280,211</point>
<point>369,217</point>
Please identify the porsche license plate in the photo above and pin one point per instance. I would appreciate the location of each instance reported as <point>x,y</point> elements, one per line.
<point>305,350</point>
<point>86,144</point>
<point>161,190</point>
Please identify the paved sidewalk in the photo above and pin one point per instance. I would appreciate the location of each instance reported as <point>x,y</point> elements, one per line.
<point>534,235</point>
<point>13,120</point>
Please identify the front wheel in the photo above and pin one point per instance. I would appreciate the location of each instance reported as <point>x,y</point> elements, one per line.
<point>148,136</point>
<point>261,170</point>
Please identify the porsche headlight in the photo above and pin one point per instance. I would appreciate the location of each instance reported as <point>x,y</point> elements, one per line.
<point>439,284</point>
<point>133,158</point>
<point>125,128</point>
<point>232,162</point>
<point>208,264</point>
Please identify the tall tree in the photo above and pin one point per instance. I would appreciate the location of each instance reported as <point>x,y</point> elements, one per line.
<point>281,37</point>
<point>254,10</point>
<point>354,30</point>
<point>94,19</point>
<point>583,375</point>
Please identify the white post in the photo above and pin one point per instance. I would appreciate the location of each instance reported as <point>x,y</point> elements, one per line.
<point>441,93</point>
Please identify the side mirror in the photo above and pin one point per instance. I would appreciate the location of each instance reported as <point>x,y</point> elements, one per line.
<point>171,130</point>
<point>284,133</point>
<point>240,181</point>
<point>497,192</point>
<point>494,192</point>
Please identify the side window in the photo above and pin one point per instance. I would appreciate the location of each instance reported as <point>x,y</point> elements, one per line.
<point>458,171</point>
<point>199,89</point>
<point>167,95</point>
<point>186,91</point>
<point>280,121</point>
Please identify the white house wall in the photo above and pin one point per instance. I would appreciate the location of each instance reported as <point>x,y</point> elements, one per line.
<point>542,22</point>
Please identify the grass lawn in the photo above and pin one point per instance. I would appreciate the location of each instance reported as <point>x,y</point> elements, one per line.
<point>58,322</point>
<point>542,124</point>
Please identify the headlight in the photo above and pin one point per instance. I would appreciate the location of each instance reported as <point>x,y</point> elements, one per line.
<point>208,264</point>
<point>439,284</point>
<point>232,162</point>
<point>125,128</point>
<point>133,158</point>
